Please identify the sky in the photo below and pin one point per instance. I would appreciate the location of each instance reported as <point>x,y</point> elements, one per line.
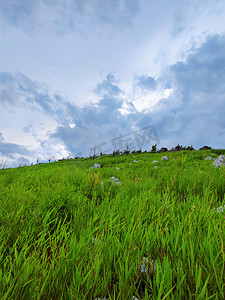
<point>79,77</point>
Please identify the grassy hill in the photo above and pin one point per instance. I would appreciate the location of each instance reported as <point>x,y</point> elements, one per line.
<point>68,232</point>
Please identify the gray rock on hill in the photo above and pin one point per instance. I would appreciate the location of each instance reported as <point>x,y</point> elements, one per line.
<point>95,166</point>
<point>208,158</point>
<point>115,180</point>
<point>165,158</point>
<point>220,161</point>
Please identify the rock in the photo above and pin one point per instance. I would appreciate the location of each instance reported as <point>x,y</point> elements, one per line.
<point>115,180</point>
<point>145,265</point>
<point>165,157</point>
<point>220,209</point>
<point>95,166</point>
<point>39,207</point>
<point>209,158</point>
<point>93,240</point>
<point>220,161</point>
<point>135,161</point>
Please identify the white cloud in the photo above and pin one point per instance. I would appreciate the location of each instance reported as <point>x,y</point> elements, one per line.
<point>150,101</point>
<point>82,75</point>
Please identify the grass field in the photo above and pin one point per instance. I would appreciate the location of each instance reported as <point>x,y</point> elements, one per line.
<point>67,232</point>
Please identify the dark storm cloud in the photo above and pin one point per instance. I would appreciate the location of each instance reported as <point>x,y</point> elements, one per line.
<point>97,122</point>
<point>145,83</point>
<point>108,87</point>
<point>194,112</point>
<point>20,91</point>
<point>203,71</point>
<point>10,149</point>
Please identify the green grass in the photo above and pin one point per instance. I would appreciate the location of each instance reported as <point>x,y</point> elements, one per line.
<point>158,235</point>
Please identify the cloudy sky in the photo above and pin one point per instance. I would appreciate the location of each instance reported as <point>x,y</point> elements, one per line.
<point>82,74</point>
